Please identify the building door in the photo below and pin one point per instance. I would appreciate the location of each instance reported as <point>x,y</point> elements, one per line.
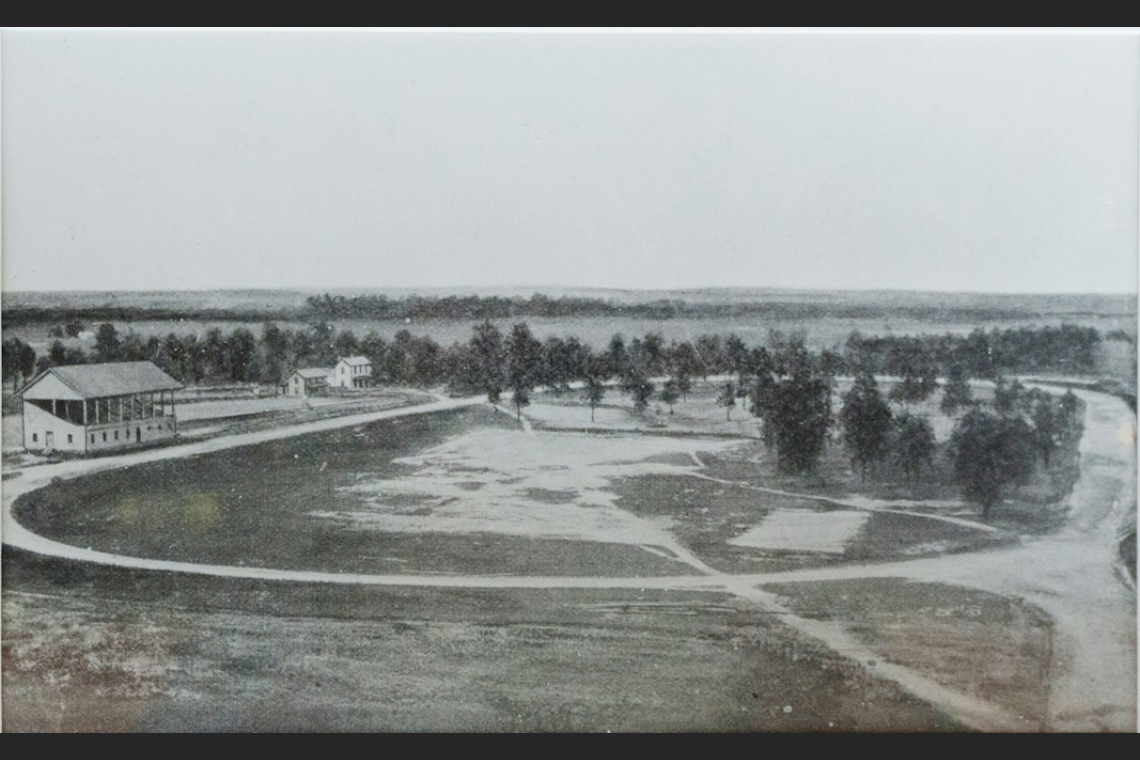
<point>49,440</point>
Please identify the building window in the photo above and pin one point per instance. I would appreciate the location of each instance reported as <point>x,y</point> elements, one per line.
<point>69,439</point>
<point>35,437</point>
<point>92,438</point>
<point>116,435</point>
<point>104,437</point>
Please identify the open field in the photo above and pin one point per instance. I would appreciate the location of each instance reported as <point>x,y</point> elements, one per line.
<point>988,646</point>
<point>160,653</point>
<point>471,490</point>
<point>599,598</point>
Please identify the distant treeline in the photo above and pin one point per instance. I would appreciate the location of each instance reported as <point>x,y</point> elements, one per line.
<point>381,308</point>
<point>18,316</point>
<point>1067,350</point>
<point>538,305</point>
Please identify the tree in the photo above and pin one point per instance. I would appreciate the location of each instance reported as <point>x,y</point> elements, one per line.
<point>710,355</point>
<point>831,363</point>
<point>577,357</point>
<point>1048,428</point>
<point>956,392</point>
<point>919,375</point>
<point>556,369</point>
<point>978,355</point>
<point>990,453</point>
<point>789,354</point>
<point>73,327</point>
<point>727,399</point>
<point>489,359</point>
<point>595,383</point>
<point>617,358</point>
<point>1017,454</point>
<point>670,393</point>
<point>56,353</point>
<point>801,414</point>
<point>977,469</point>
<point>866,422</point>
<point>1022,399</point>
<point>398,360</point>
<point>684,386</point>
<point>424,359</point>
<point>241,349</point>
<point>134,348</point>
<point>762,397</point>
<point>196,361</point>
<point>654,346</point>
<point>19,360</point>
<point>642,389</point>
<point>375,348</point>
<point>524,363</point>
<point>60,355</point>
<point>217,353</point>
<point>275,348</point>
<point>861,354</point>
<point>324,348</point>
<point>1006,397</point>
<point>1069,405</point>
<point>346,344</point>
<point>914,445</point>
<point>637,357</point>
<point>736,356</point>
<point>108,346</point>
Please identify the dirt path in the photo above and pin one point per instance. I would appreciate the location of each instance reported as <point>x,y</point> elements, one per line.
<point>1069,574</point>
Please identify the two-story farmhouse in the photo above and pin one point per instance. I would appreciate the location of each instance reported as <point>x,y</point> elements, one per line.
<point>352,372</point>
<point>87,408</point>
<point>313,381</point>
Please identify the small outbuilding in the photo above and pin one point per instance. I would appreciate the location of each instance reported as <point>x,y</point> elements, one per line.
<point>87,408</point>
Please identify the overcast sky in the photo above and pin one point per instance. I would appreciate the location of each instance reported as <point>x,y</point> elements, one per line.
<point>164,160</point>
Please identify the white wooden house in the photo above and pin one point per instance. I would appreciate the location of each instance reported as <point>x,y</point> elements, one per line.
<point>313,381</point>
<point>352,372</point>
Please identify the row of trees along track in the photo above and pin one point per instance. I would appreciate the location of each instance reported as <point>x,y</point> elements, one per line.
<point>408,359</point>
<point>784,385</point>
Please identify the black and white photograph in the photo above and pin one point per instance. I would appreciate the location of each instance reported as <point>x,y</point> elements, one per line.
<point>590,380</point>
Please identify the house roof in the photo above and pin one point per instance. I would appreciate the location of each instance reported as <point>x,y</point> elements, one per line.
<point>312,373</point>
<point>355,361</point>
<point>113,379</point>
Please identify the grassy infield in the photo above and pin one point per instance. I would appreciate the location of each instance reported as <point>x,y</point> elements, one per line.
<point>150,651</point>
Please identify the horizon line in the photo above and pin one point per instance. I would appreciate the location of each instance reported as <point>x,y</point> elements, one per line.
<point>537,290</point>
